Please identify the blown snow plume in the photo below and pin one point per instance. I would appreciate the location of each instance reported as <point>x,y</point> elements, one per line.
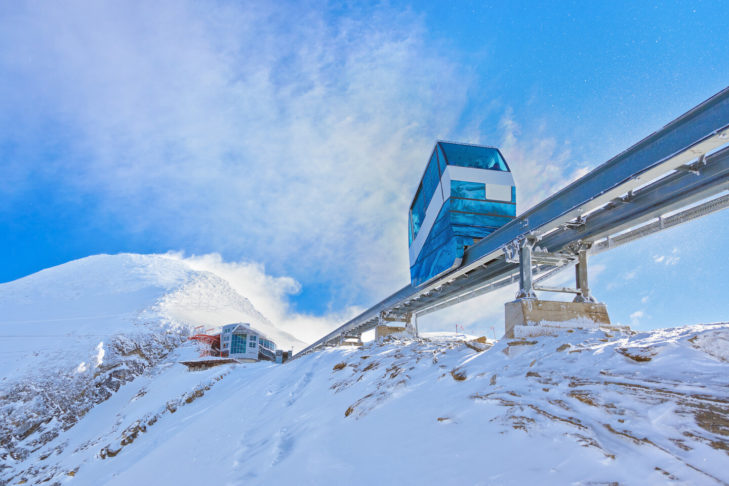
<point>72,335</point>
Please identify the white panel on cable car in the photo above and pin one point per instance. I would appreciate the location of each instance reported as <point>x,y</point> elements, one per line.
<point>497,192</point>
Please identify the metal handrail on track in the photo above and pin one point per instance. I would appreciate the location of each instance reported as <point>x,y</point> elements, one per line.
<point>672,169</point>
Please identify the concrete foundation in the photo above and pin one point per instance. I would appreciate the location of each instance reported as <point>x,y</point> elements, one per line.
<point>533,317</point>
<point>382,331</point>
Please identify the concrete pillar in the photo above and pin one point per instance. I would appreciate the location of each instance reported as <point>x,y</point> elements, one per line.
<point>529,317</point>
<point>351,340</point>
<point>532,317</point>
<point>382,331</point>
<point>385,328</point>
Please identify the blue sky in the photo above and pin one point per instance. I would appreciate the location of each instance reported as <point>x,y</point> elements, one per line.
<point>292,136</point>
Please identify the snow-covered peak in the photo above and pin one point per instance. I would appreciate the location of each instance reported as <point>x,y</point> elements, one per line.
<point>94,276</point>
<point>72,335</point>
<point>69,309</point>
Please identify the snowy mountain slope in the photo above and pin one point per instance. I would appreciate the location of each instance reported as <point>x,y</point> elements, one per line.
<point>71,335</point>
<point>61,314</point>
<point>580,408</point>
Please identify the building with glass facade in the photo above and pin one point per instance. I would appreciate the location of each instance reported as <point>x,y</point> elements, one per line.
<point>241,341</point>
<point>466,193</point>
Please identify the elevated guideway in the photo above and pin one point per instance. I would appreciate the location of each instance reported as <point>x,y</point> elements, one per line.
<point>674,175</point>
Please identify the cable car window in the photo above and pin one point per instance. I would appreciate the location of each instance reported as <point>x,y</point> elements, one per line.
<point>468,190</point>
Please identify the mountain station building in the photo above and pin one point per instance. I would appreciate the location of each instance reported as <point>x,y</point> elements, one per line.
<point>240,341</point>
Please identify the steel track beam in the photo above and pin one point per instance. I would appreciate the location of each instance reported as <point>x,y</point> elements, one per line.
<point>654,177</point>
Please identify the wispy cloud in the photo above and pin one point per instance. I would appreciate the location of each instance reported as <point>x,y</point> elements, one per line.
<point>286,134</point>
<point>269,295</point>
<point>544,164</point>
<point>670,259</point>
<point>636,317</point>
<point>273,132</point>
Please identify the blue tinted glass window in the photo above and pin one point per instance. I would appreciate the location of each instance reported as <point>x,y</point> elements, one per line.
<point>427,188</point>
<point>238,344</point>
<point>471,219</point>
<point>474,156</point>
<point>484,207</point>
<point>441,159</point>
<point>431,179</point>
<point>410,229</point>
<point>417,213</point>
<point>468,190</point>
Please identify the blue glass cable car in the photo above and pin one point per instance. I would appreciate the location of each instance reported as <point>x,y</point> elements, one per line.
<point>466,193</point>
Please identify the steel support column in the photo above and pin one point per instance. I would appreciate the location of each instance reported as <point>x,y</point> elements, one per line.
<point>526,285</point>
<point>581,278</point>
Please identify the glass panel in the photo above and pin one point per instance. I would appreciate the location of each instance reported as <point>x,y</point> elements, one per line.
<point>441,159</point>
<point>471,219</point>
<point>483,207</point>
<point>474,156</point>
<point>468,190</point>
<point>417,212</point>
<point>473,231</point>
<point>410,229</point>
<point>430,179</point>
<point>439,251</point>
<point>238,344</point>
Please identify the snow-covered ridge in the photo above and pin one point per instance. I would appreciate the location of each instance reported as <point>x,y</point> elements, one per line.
<point>92,392</point>
<point>72,335</point>
<point>585,407</point>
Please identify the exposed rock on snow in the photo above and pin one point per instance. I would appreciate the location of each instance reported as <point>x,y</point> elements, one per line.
<point>578,408</point>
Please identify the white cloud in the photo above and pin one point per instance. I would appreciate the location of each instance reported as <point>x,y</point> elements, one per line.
<point>269,295</point>
<point>284,133</point>
<point>276,133</point>
<point>540,163</point>
<point>671,259</point>
<point>483,315</point>
<point>635,318</point>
